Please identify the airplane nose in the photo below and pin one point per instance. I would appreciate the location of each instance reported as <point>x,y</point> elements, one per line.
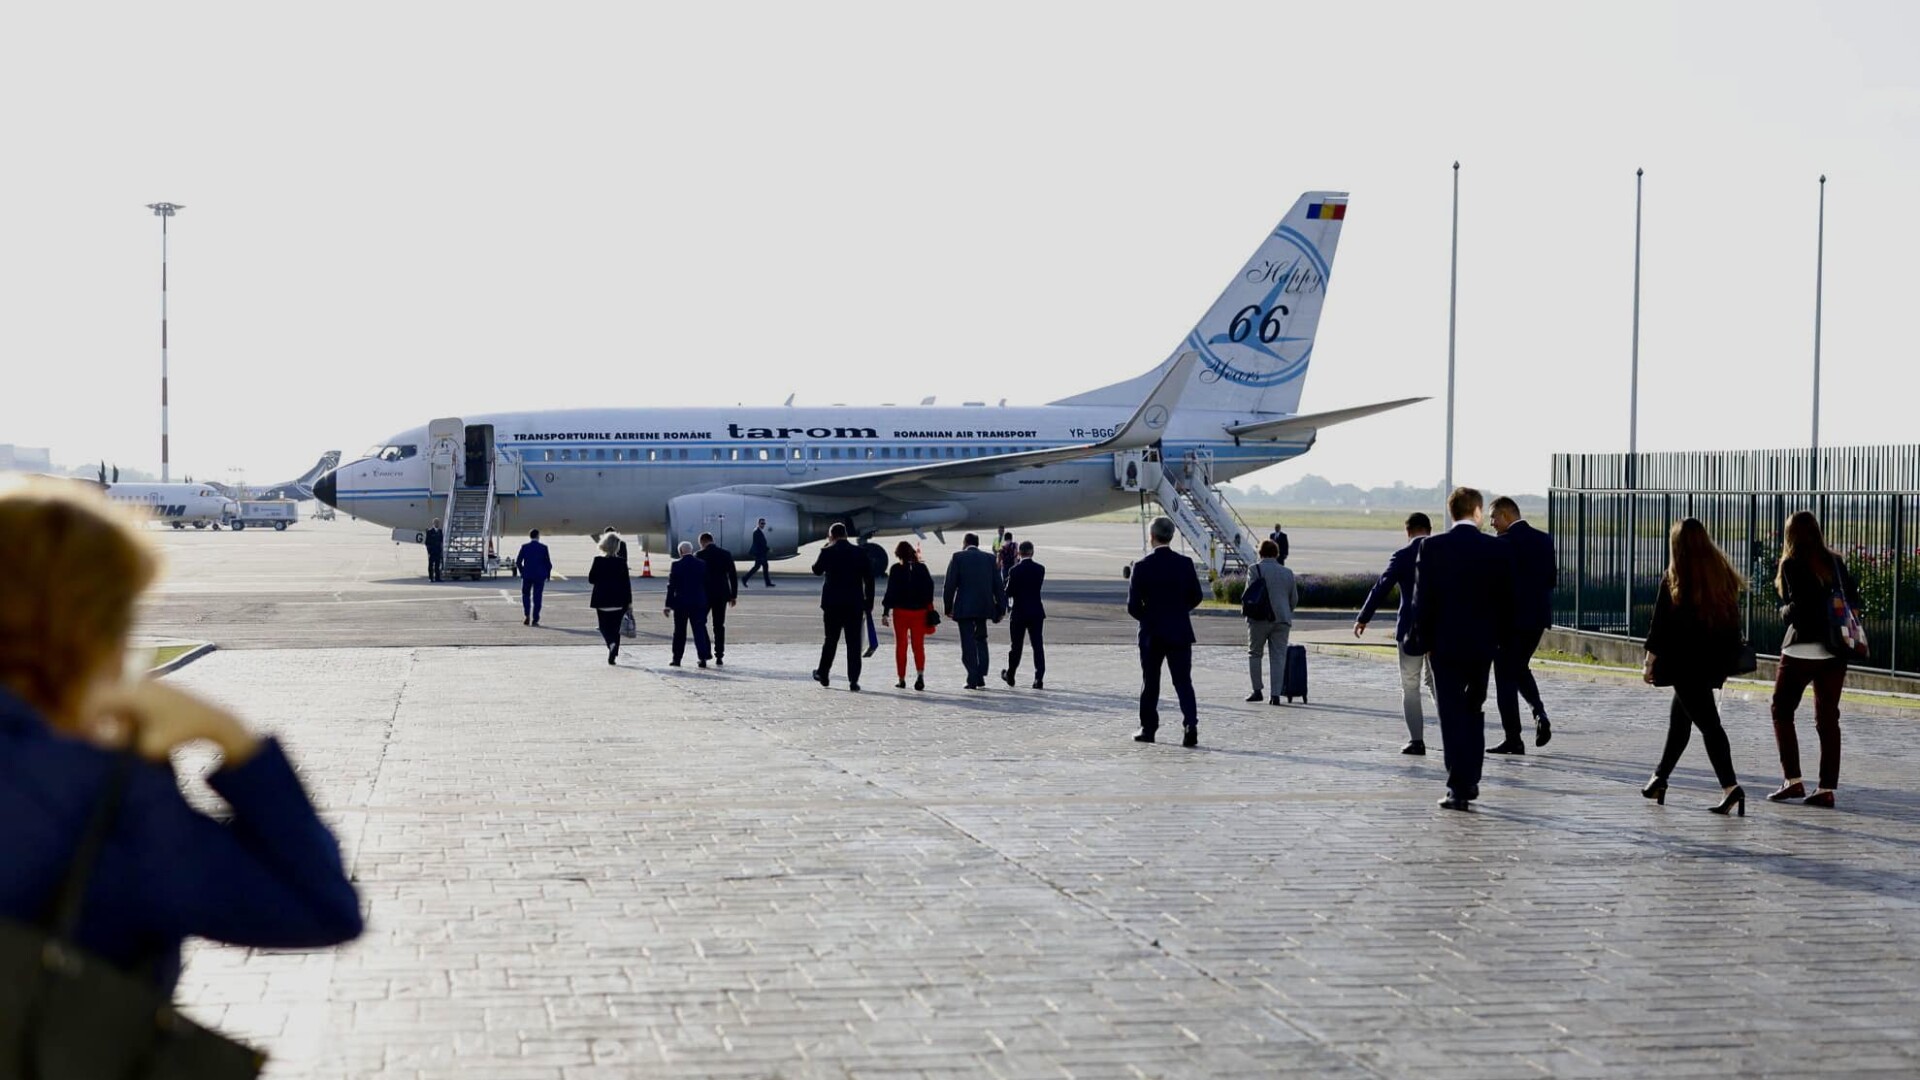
<point>327,489</point>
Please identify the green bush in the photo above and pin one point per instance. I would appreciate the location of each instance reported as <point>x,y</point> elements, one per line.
<point>1236,588</point>
<point>1341,592</point>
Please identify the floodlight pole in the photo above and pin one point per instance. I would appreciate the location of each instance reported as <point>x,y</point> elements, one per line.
<point>1633,409</point>
<point>1819,286</point>
<point>163,211</point>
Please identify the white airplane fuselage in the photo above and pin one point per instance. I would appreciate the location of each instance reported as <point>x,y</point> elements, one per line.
<point>585,469</point>
<point>178,505</point>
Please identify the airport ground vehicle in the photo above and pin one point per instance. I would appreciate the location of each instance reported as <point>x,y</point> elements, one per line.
<point>267,513</point>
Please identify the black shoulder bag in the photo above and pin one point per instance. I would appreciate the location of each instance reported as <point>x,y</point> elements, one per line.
<point>68,1015</point>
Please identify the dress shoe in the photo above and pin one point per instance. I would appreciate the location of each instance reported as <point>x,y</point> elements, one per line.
<point>1143,735</point>
<point>871,649</point>
<point>1191,737</point>
<point>1415,747</point>
<point>1656,790</point>
<point>1039,684</point>
<point>853,686</point>
<point>1255,696</point>
<point>919,680</point>
<point>901,685</point>
<point>536,622</point>
<point>611,653</point>
<point>703,665</point>
<point>820,677</point>
<point>1795,790</point>
<point>1273,701</point>
<point>1736,800</point>
<point>1510,746</point>
<point>719,662</point>
<point>1820,798</point>
<point>526,620</point>
<point>673,663</point>
<point>1006,675</point>
<point>1542,729</point>
<point>1451,803</point>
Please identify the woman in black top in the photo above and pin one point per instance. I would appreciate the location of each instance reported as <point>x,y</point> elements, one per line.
<point>1808,573</point>
<point>1691,647</point>
<point>612,591</point>
<point>910,596</point>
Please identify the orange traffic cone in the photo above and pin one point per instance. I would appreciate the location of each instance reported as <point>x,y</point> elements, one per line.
<point>646,564</point>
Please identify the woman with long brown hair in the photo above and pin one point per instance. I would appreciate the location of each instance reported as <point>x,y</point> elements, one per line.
<point>1808,575</point>
<point>1691,646</point>
<point>73,723</point>
<point>905,606</point>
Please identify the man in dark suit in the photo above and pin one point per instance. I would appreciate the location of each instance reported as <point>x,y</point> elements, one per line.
<point>534,564</point>
<point>974,595</point>
<point>1164,588</point>
<point>723,591</point>
<point>1399,575</point>
<point>1279,538</point>
<point>1534,578</point>
<point>436,542</point>
<point>846,595</point>
<point>1462,610</point>
<point>1027,615</point>
<point>757,551</point>
<point>687,603</point>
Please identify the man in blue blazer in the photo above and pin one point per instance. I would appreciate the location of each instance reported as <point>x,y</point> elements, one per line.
<point>1028,615</point>
<point>534,564</point>
<point>1535,574</point>
<point>1462,610</point>
<point>758,550</point>
<point>723,591</point>
<point>846,595</point>
<point>687,603</point>
<point>1399,575</point>
<point>1164,588</point>
<point>973,595</point>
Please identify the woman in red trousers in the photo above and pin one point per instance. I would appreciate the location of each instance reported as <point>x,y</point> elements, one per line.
<point>905,607</point>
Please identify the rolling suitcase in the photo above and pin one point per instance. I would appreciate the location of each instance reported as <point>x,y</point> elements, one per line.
<point>1295,674</point>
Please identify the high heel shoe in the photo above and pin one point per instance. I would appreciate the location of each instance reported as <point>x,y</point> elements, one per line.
<point>919,681</point>
<point>901,685</point>
<point>1736,800</point>
<point>1656,790</point>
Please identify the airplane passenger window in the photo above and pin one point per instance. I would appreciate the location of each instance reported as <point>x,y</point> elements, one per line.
<point>546,455</point>
<point>869,453</point>
<point>816,453</point>
<point>650,454</point>
<point>716,453</point>
<point>600,454</point>
<point>763,455</point>
<point>733,454</point>
<point>886,451</point>
<point>683,454</point>
<point>796,453</point>
<point>836,453</point>
<point>566,455</point>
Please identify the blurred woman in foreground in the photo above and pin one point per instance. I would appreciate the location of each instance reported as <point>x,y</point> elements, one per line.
<point>69,713</point>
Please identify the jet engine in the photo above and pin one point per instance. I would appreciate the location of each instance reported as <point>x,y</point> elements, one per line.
<point>731,518</point>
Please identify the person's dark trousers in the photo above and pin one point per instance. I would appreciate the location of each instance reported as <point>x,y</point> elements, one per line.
<point>1460,696</point>
<point>1828,678</point>
<point>610,626</point>
<point>433,566</point>
<point>1513,679</point>
<point>531,593</point>
<point>973,649</point>
<point>681,621</point>
<point>842,623</point>
<point>766,574</point>
<point>1025,629</point>
<point>1693,706</point>
<point>719,632</point>
<point>1179,661</point>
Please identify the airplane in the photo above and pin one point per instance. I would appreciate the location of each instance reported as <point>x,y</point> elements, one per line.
<point>1224,403</point>
<point>178,505</point>
<point>299,489</point>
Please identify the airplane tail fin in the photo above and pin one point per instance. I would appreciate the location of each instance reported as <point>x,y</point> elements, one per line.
<point>328,462</point>
<point>1256,341</point>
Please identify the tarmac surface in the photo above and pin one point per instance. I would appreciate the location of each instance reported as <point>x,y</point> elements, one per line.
<point>346,583</point>
<point>575,872</point>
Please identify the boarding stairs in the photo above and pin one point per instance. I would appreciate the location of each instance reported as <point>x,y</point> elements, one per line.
<point>469,532</point>
<point>1204,517</point>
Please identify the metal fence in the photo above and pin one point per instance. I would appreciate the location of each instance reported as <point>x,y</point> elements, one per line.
<point>1610,514</point>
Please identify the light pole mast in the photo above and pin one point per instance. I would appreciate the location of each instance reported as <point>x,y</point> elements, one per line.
<point>1819,286</point>
<point>1633,410</point>
<point>163,211</point>
<point>1453,308</point>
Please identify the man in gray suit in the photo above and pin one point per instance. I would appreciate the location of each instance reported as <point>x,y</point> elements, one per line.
<point>974,595</point>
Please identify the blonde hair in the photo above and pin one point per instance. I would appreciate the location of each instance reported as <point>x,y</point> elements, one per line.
<point>610,543</point>
<point>75,568</point>
<point>1699,574</point>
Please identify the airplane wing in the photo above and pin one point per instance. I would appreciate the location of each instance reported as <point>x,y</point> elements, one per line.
<point>1142,429</point>
<point>1306,424</point>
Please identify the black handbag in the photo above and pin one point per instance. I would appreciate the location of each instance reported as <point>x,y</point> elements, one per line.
<point>933,618</point>
<point>66,1014</point>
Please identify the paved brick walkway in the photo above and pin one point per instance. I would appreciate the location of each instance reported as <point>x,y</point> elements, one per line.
<point>576,872</point>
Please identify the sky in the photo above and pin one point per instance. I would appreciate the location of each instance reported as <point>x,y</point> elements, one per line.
<point>396,212</point>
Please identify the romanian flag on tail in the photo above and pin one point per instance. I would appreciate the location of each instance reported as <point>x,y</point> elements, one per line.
<point>1326,211</point>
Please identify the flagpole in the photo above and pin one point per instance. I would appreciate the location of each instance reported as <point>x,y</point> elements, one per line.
<point>1453,308</point>
<point>1819,287</point>
<point>1633,406</point>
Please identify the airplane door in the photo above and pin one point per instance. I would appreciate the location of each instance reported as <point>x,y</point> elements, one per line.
<point>796,452</point>
<point>442,434</point>
<point>479,455</point>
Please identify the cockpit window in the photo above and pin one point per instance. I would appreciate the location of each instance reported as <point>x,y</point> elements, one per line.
<point>394,453</point>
